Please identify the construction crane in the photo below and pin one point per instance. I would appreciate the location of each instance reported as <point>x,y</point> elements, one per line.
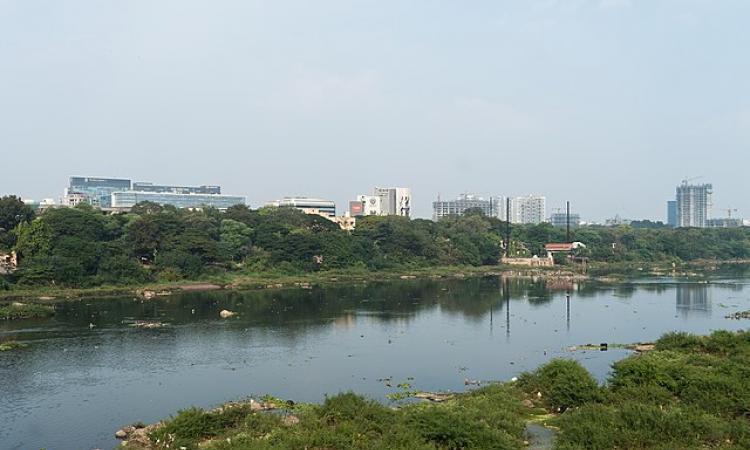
<point>729,211</point>
<point>688,180</point>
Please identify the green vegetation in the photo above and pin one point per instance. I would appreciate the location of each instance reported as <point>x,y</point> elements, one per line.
<point>689,393</point>
<point>11,345</point>
<point>73,248</point>
<point>15,311</point>
<point>563,383</point>
<point>488,418</point>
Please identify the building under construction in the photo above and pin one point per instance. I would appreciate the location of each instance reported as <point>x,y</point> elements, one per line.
<point>693,204</point>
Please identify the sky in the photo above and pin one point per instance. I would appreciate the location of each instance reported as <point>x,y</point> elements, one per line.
<point>605,103</point>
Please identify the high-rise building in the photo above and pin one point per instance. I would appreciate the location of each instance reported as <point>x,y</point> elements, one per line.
<point>693,204</point>
<point>492,207</point>
<point>307,205</point>
<point>394,201</point>
<point>560,220</point>
<point>95,191</point>
<point>531,209</point>
<point>672,213</point>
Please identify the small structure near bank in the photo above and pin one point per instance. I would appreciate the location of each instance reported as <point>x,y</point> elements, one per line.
<point>566,247</point>
<point>534,261</point>
<point>8,262</point>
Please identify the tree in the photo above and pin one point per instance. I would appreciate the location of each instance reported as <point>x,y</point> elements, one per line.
<point>13,212</point>
<point>234,239</point>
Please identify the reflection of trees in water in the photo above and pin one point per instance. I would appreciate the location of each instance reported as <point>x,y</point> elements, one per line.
<point>305,308</point>
<point>693,299</point>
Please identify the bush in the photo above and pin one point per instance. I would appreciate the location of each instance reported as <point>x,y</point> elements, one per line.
<point>189,265</point>
<point>121,270</point>
<point>351,407</point>
<point>563,384</point>
<point>452,429</point>
<point>678,341</point>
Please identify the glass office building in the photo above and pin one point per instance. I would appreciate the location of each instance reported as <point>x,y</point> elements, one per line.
<point>151,187</point>
<point>128,199</point>
<point>96,191</point>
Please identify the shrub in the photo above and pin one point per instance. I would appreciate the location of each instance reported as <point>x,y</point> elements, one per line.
<point>563,384</point>
<point>452,429</point>
<point>678,340</point>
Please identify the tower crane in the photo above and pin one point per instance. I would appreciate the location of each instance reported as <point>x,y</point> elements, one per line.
<point>688,180</point>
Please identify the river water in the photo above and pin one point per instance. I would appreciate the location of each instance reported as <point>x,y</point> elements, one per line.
<point>87,372</point>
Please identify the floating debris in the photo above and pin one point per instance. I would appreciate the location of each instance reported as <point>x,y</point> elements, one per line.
<point>225,314</point>
<point>738,315</point>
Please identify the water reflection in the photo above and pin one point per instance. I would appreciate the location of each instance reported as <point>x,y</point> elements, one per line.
<point>693,299</point>
<point>304,343</point>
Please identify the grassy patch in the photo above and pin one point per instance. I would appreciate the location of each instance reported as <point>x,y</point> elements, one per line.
<point>488,418</point>
<point>15,311</point>
<point>690,393</point>
<point>11,345</point>
<point>693,392</point>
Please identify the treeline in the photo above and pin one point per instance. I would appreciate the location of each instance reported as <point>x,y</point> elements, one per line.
<point>82,247</point>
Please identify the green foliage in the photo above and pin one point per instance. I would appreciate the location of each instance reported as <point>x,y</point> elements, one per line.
<point>563,384</point>
<point>121,269</point>
<point>693,392</point>
<point>15,311</point>
<point>490,418</point>
<point>13,212</point>
<point>81,247</point>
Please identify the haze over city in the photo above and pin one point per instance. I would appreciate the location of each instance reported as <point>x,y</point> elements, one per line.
<point>608,104</point>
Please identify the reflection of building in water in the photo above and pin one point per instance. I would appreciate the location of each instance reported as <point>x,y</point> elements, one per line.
<point>346,321</point>
<point>693,299</point>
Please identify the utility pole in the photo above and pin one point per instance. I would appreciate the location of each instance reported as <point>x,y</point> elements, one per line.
<point>567,221</point>
<point>507,227</point>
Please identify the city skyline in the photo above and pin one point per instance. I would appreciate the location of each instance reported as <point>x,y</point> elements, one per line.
<point>287,98</point>
<point>546,214</point>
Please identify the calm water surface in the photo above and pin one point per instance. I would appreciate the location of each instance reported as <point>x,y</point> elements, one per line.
<point>75,385</point>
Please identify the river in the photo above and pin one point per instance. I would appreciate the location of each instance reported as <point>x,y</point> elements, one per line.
<point>87,371</point>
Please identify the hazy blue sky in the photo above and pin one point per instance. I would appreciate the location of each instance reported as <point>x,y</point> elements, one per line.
<point>608,103</point>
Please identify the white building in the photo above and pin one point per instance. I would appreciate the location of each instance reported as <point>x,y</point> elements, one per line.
<point>394,201</point>
<point>531,209</point>
<point>391,201</point>
<point>308,205</point>
<point>371,205</point>
<point>492,207</point>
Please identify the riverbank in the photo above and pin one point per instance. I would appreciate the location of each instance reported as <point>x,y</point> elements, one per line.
<point>600,271</point>
<point>251,281</point>
<point>689,392</point>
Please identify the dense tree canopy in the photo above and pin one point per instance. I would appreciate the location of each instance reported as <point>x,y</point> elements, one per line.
<point>83,246</point>
<point>13,212</point>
